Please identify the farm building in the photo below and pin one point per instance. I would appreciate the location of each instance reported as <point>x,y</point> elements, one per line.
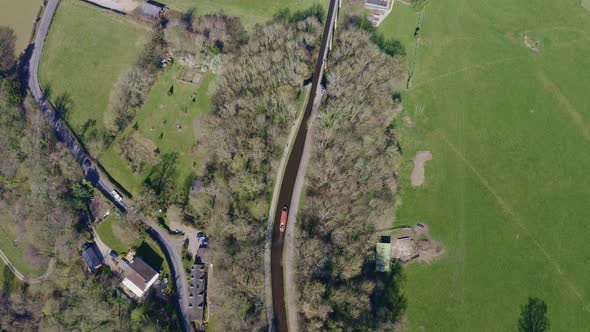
<point>379,10</point>
<point>383,257</point>
<point>197,292</point>
<point>139,276</point>
<point>151,9</point>
<point>379,4</point>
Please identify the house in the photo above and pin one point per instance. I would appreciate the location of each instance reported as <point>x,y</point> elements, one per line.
<point>379,9</point>
<point>379,4</point>
<point>197,292</point>
<point>151,9</point>
<point>92,256</point>
<point>139,276</point>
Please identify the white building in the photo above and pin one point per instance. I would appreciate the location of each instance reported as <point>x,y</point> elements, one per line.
<point>139,276</point>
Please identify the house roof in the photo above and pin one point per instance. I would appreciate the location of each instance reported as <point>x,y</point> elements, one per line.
<point>140,273</point>
<point>151,9</point>
<point>382,3</point>
<point>383,257</point>
<point>197,292</point>
<point>92,256</point>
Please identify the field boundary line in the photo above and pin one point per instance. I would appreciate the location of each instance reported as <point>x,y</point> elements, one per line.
<point>515,218</point>
<point>570,109</point>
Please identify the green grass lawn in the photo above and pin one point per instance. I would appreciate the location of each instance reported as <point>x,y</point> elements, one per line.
<point>401,24</point>
<point>169,122</point>
<point>19,15</point>
<point>86,52</point>
<point>507,190</point>
<point>114,235</point>
<point>250,11</point>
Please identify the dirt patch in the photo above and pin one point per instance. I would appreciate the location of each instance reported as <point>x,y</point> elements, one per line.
<point>415,243</point>
<point>191,77</point>
<point>418,176</point>
<point>532,43</point>
<point>585,4</point>
<point>139,151</point>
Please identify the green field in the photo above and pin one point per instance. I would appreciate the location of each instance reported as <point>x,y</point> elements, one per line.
<point>172,116</point>
<point>19,15</point>
<point>250,11</point>
<point>115,235</point>
<point>506,191</point>
<point>86,52</point>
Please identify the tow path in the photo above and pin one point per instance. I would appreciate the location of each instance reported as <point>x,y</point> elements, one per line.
<point>279,316</point>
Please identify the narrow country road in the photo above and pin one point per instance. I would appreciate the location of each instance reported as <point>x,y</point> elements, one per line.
<point>92,173</point>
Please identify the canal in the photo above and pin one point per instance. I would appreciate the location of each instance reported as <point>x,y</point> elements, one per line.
<point>288,183</point>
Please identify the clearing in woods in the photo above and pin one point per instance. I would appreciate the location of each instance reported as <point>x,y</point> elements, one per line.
<point>508,190</point>
<point>167,122</point>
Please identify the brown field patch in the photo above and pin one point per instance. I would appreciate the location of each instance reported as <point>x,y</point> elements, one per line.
<point>418,174</point>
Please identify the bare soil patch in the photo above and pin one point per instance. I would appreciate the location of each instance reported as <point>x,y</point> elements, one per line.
<point>190,77</point>
<point>415,243</point>
<point>532,43</point>
<point>586,4</point>
<point>138,151</point>
<point>418,176</point>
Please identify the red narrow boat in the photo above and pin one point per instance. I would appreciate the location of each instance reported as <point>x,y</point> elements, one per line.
<point>284,214</point>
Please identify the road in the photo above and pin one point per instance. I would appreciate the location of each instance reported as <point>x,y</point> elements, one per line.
<point>288,182</point>
<point>92,172</point>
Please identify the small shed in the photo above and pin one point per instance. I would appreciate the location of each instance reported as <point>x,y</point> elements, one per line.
<point>151,9</point>
<point>92,256</point>
<point>383,257</point>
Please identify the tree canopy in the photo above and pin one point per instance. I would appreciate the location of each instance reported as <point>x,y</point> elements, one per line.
<point>7,55</point>
<point>533,316</point>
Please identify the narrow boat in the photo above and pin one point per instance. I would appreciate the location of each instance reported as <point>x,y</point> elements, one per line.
<point>284,214</point>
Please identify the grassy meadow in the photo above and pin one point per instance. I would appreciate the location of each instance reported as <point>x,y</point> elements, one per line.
<point>86,52</point>
<point>506,191</point>
<point>20,16</point>
<point>250,11</point>
<point>169,122</point>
